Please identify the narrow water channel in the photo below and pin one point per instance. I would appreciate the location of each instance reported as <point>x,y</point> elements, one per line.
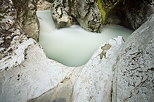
<point>73,46</point>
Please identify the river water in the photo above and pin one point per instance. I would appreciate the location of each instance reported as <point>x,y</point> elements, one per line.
<point>73,46</point>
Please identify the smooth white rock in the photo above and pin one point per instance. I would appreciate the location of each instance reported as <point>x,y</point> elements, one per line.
<point>95,80</point>
<point>31,78</point>
<point>89,83</point>
<point>38,75</point>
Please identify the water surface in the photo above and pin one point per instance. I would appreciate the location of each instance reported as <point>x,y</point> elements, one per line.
<point>73,46</point>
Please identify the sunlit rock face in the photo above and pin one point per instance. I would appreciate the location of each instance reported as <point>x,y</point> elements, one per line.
<point>133,80</point>
<point>73,46</point>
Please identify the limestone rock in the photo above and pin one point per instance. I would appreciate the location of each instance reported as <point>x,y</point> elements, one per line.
<point>61,13</point>
<point>26,74</point>
<point>94,83</point>
<point>43,5</point>
<point>13,39</point>
<point>89,83</point>
<point>91,14</point>
<point>11,36</point>
<point>137,12</point>
<point>134,75</point>
<point>25,71</point>
<point>106,8</point>
<point>86,13</point>
<point>26,16</point>
<point>33,77</point>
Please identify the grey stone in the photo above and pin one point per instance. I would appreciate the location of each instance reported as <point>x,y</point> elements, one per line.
<point>12,33</point>
<point>26,16</point>
<point>86,13</point>
<point>89,83</point>
<point>61,13</point>
<point>137,12</point>
<point>134,75</point>
<point>43,5</point>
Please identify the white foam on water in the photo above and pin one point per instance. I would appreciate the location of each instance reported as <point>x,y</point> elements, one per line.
<point>73,46</point>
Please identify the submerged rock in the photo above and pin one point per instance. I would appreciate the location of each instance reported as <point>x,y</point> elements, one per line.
<point>134,75</point>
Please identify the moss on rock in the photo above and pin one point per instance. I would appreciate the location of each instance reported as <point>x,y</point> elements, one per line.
<point>106,6</point>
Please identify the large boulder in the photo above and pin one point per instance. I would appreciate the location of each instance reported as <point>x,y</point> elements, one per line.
<point>134,75</point>
<point>86,13</point>
<point>61,13</point>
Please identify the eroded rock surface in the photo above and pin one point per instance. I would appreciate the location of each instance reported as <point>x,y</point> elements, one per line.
<point>89,83</point>
<point>62,13</point>
<point>16,22</point>
<point>11,36</point>
<point>95,81</point>
<point>26,74</point>
<point>35,76</point>
<point>91,14</point>
<point>133,80</point>
<point>43,5</point>
<point>25,15</point>
<point>137,12</point>
<point>86,13</point>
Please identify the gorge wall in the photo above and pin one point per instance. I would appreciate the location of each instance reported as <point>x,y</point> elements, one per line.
<point>92,14</point>
<point>26,74</point>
